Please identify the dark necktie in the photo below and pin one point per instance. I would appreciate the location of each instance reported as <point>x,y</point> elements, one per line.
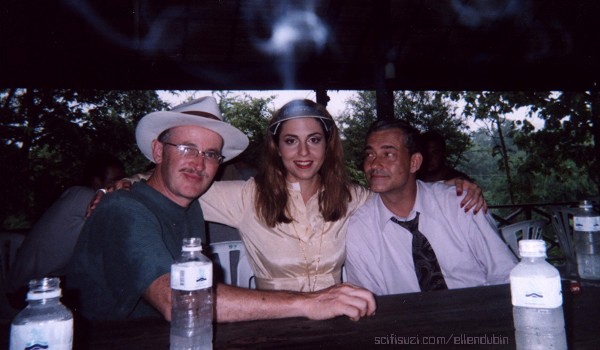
<point>427,267</point>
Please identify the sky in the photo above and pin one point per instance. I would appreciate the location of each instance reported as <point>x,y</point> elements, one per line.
<point>336,105</point>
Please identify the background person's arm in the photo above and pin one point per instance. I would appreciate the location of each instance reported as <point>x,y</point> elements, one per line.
<point>125,183</point>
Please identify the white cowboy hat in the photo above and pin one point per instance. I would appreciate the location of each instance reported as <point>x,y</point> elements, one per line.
<point>203,112</point>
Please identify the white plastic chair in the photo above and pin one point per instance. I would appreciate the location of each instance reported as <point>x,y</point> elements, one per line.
<point>9,243</point>
<point>561,222</point>
<point>232,258</point>
<point>513,233</point>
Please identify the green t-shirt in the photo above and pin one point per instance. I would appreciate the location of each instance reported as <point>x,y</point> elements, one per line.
<point>131,239</point>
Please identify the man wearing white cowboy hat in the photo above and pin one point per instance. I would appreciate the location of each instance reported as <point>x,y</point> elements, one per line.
<point>121,266</point>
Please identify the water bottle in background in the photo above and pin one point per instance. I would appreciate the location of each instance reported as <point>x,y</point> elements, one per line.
<point>537,300</point>
<point>192,309</point>
<point>45,323</point>
<point>586,234</point>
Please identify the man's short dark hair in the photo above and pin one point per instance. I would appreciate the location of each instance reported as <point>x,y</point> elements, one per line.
<point>434,137</point>
<point>97,166</point>
<point>412,139</point>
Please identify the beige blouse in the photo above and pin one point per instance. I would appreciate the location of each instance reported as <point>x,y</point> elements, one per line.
<point>283,257</point>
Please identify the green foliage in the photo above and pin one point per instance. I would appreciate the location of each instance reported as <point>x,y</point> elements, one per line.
<point>353,124</point>
<point>570,136</point>
<point>251,116</point>
<point>47,136</point>
<point>550,164</point>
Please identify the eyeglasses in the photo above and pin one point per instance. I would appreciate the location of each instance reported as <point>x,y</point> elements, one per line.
<point>192,152</point>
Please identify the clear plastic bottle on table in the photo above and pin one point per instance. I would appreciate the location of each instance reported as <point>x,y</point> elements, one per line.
<point>45,323</point>
<point>537,300</point>
<point>192,299</point>
<point>586,234</point>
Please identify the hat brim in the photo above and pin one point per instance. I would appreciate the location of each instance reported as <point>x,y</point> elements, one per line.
<point>153,124</point>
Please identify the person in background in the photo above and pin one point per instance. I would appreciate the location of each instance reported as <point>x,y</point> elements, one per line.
<point>49,244</point>
<point>413,236</point>
<point>434,166</point>
<point>238,169</point>
<point>121,265</point>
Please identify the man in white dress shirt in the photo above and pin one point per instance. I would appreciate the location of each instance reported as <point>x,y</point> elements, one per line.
<point>379,250</point>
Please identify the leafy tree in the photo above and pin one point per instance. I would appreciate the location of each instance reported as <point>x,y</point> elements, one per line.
<point>493,108</point>
<point>486,163</point>
<point>250,115</point>
<point>48,134</point>
<point>570,139</point>
<point>353,124</point>
<point>563,150</point>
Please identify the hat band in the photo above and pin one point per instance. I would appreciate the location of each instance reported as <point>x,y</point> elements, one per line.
<point>202,114</point>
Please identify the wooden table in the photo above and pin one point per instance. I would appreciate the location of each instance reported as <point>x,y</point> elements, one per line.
<point>472,318</point>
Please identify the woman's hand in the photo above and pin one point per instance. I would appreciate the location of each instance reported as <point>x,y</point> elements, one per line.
<point>474,197</point>
<point>121,184</point>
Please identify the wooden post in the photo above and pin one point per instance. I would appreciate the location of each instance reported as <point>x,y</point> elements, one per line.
<point>595,97</point>
<point>385,60</point>
<point>322,97</point>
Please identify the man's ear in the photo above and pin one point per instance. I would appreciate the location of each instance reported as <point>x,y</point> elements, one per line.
<point>416,160</point>
<point>157,151</point>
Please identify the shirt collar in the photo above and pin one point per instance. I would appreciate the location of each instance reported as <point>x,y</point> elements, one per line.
<point>295,186</point>
<point>419,200</point>
<point>384,214</point>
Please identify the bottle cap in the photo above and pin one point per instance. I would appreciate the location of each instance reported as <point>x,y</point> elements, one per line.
<point>192,244</point>
<point>45,288</point>
<point>532,248</point>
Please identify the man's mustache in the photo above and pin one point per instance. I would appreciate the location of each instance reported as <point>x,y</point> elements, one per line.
<point>199,173</point>
<point>376,172</point>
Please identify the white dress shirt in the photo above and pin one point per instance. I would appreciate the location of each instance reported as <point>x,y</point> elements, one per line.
<point>468,248</point>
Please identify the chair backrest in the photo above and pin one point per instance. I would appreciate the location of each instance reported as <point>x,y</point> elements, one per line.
<point>562,224</point>
<point>513,233</point>
<point>231,257</point>
<point>9,243</point>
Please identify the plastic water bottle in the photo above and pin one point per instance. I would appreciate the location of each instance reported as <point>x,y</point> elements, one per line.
<point>537,300</point>
<point>192,306</point>
<point>45,323</point>
<point>586,234</point>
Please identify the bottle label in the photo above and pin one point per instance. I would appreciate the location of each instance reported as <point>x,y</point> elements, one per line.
<point>587,223</point>
<point>191,275</point>
<point>536,292</point>
<point>47,335</point>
